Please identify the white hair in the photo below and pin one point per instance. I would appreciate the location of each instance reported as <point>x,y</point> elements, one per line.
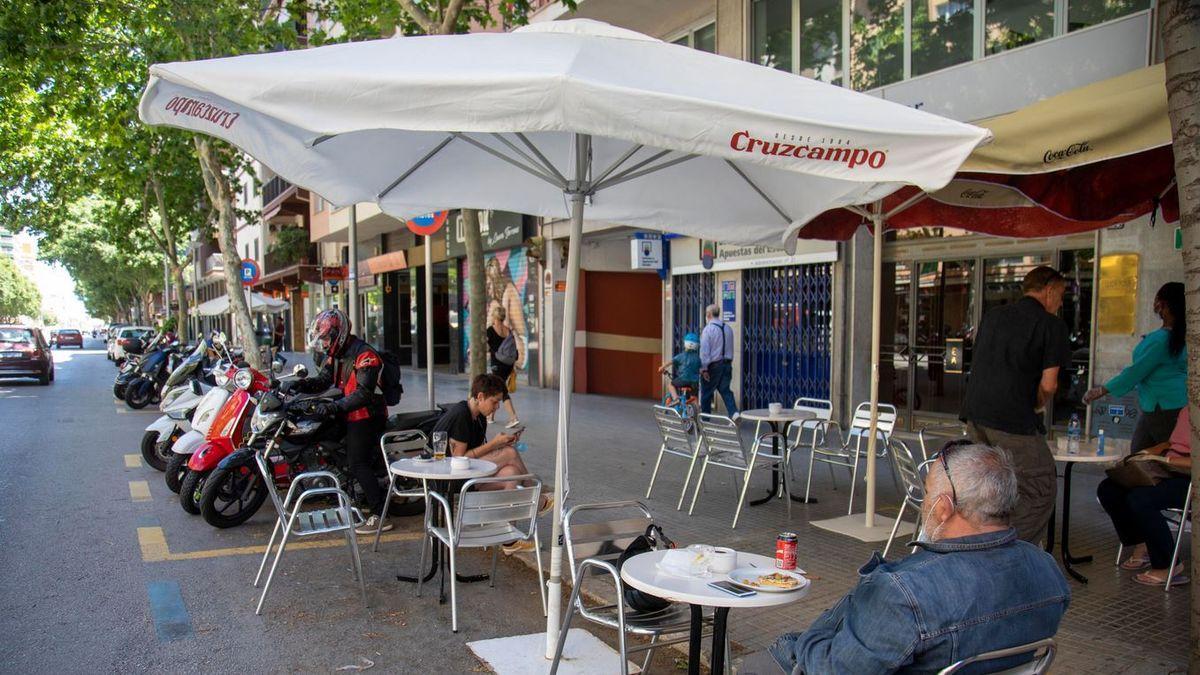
<point>984,481</point>
<point>712,311</point>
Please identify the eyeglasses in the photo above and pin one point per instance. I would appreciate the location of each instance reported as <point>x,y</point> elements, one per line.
<point>943,455</point>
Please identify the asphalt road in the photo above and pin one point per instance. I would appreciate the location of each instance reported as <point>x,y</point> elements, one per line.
<point>82,589</point>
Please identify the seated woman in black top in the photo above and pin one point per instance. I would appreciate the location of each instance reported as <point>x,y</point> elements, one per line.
<point>497,332</point>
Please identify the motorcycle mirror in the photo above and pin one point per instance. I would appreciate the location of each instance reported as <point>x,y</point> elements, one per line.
<point>300,370</point>
<point>196,387</point>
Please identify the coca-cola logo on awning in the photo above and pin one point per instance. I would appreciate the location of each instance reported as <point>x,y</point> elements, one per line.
<point>1069,151</point>
<point>804,148</point>
<point>182,105</point>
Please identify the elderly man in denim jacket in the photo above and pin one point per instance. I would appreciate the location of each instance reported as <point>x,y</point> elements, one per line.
<point>972,587</point>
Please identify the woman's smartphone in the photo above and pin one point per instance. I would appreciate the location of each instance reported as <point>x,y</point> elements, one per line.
<point>732,589</point>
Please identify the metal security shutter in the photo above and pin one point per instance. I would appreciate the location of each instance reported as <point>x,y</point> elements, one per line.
<point>691,294</point>
<point>787,334</point>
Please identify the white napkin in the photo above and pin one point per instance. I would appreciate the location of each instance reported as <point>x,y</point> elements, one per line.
<point>684,562</point>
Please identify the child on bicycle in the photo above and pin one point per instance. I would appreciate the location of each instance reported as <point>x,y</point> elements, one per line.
<point>686,368</point>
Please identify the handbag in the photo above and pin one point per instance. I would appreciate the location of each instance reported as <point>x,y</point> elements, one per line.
<point>1133,473</point>
<point>511,382</point>
<point>652,540</point>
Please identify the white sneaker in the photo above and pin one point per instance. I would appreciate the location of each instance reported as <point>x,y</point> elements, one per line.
<point>512,423</point>
<point>372,525</point>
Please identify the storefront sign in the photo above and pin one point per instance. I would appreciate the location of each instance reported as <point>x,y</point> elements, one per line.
<point>953,358</point>
<point>334,272</point>
<point>729,301</point>
<point>689,256</point>
<point>646,251</point>
<point>1116,314</point>
<point>500,230</point>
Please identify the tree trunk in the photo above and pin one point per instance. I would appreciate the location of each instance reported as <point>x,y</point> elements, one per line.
<point>182,324</point>
<point>220,195</point>
<point>171,251</point>
<point>477,297</point>
<point>1179,27</point>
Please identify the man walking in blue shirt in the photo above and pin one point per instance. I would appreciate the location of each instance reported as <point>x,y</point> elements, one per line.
<point>716,362</point>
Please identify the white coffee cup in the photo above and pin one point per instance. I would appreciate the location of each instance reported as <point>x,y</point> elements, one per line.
<point>460,463</point>
<point>775,408</point>
<point>723,560</point>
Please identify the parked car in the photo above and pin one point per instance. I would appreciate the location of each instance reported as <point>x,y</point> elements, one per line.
<point>69,337</point>
<point>24,353</point>
<point>124,337</point>
<point>110,336</point>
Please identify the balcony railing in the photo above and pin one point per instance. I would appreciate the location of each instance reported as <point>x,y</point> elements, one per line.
<point>278,260</point>
<point>273,188</point>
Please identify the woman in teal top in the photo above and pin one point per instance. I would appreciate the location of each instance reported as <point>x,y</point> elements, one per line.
<point>1158,371</point>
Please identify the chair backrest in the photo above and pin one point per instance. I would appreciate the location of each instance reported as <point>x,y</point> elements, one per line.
<point>719,435</point>
<point>603,531</point>
<point>860,424</point>
<point>925,435</point>
<point>910,472</point>
<point>396,444</point>
<point>1038,666</point>
<point>673,429</point>
<point>822,408</point>
<point>265,470</point>
<point>517,507</point>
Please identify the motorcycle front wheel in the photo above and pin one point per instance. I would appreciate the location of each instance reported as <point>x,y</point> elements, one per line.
<point>231,496</point>
<point>176,471</point>
<point>190,491</point>
<point>150,451</point>
<point>119,391</point>
<point>138,394</point>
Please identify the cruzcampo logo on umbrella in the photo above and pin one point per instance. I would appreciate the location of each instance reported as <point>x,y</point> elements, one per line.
<point>427,224</point>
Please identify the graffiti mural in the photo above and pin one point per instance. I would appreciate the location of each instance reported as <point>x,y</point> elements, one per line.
<point>508,286</point>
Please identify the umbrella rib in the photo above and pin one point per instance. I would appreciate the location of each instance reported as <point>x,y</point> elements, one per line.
<point>617,164</point>
<point>500,155</point>
<point>600,185</point>
<point>759,190</point>
<point>412,169</point>
<point>631,174</point>
<point>911,201</point>
<point>546,162</point>
<point>524,155</point>
<point>320,139</point>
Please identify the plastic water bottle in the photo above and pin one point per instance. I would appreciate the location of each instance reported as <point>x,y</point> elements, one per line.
<point>1074,435</point>
<point>521,446</point>
<point>1100,441</point>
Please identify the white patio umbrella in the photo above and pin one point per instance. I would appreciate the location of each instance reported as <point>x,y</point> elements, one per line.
<point>258,303</point>
<point>555,118</point>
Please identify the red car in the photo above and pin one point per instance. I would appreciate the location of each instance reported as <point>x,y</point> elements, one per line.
<point>24,353</point>
<point>69,337</point>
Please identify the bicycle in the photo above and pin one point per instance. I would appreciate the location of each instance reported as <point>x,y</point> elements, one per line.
<point>686,404</point>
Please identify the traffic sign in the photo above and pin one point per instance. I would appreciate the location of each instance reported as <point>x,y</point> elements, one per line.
<point>250,272</point>
<point>427,224</point>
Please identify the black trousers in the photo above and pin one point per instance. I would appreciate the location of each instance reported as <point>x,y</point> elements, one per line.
<point>1137,514</point>
<point>1153,427</point>
<point>363,456</point>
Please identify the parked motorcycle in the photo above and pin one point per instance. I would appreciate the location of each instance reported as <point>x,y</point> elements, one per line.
<point>207,410</point>
<point>125,374</point>
<point>185,388</point>
<point>152,372</point>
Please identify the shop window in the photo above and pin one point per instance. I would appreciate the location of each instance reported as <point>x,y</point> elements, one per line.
<point>772,30</point>
<point>876,43</point>
<point>943,34</point>
<point>703,38</point>
<point>821,40</point>
<point>1084,13</point>
<point>1012,23</point>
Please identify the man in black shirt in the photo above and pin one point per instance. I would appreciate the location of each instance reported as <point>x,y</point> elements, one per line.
<point>1019,350</point>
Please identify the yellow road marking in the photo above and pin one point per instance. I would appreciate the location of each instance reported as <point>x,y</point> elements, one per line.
<point>139,491</point>
<point>153,543</point>
<point>133,461</point>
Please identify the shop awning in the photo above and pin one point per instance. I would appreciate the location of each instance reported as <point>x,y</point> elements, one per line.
<point>258,303</point>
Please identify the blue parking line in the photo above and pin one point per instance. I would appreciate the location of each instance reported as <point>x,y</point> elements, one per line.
<point>171,620</point>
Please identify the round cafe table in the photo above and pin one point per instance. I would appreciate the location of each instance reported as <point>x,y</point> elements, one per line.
<point>779,422</point>
<point>642,572</point>
<point>1087,455</point>
<point>442,475</point>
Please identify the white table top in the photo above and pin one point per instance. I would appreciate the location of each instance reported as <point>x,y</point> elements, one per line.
<point>785,415</point>
<point>1113,452</point>
<point>641,572</point>
<point>440,469</point>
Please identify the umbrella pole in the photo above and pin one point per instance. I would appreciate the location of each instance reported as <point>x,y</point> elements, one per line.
<point>876,305</point>
<point>566,383</point>
<point>429,318</point>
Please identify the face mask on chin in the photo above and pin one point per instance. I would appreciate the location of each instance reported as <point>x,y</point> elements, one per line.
<point>925,536</point>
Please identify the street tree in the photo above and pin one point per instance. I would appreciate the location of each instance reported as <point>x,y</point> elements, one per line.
<point>1179,28</point>
<point>18,295</point>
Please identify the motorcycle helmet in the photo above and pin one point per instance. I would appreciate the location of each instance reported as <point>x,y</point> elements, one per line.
<point>329,332</point>
<point>691,341</point>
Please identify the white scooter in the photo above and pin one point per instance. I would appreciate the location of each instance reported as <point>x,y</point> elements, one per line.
<point>206,410</point>
<point>181,393</point>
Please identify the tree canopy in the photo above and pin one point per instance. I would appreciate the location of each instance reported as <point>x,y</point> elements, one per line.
<point>18,296</point>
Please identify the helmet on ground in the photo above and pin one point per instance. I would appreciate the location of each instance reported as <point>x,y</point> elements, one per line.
<point>691,341</point>
<point>329,332</point>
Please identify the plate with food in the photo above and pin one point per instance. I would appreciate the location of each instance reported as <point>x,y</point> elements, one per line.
<point>768,580</point>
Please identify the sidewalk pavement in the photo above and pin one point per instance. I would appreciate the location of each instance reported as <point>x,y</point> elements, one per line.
<point>1113,625</point>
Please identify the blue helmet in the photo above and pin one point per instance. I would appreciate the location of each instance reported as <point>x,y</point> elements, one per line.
<point>691,341</point>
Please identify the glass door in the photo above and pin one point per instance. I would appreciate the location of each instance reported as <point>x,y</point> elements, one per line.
<point>943,309</point>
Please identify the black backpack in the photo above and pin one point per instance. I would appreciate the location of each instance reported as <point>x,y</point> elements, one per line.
<point>389,377</point>
<point>652,540</point>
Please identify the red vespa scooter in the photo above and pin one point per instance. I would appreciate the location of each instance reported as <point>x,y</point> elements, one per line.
<point>226,434</point>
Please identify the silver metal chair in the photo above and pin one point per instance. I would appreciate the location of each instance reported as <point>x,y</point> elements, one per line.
<point>485,519</point>
<point>722,445</point>
<point>1181,519</point>
<point>927,433</point>
<point>677,439</point>
<point>814,431</point>
<point>393,445</point>
<point>295,522</point>
<point>912,477</point>
<point>593,549</point>
<point>856,436</point>
<point>1038,666</point>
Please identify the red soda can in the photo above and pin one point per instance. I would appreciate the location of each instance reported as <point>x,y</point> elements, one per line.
<point>785,551</point>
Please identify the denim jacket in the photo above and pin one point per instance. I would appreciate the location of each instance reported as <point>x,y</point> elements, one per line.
<point>954,599</point>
